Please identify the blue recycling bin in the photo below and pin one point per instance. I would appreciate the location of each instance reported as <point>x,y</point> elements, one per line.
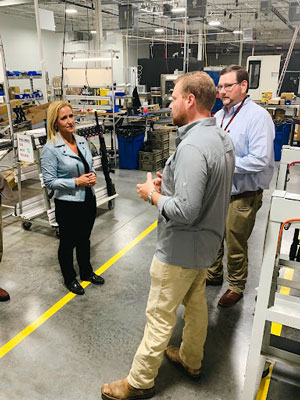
<point>129,148</point>
<point>282,134</point>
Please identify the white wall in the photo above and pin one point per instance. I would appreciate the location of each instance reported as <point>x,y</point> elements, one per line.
<point>22,50</point>
<point>137,51</point>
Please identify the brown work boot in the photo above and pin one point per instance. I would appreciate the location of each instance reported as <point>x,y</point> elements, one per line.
<point>121,390</point>
<point>229,298</point>
<point>4,296</point>
<point>172,354</point>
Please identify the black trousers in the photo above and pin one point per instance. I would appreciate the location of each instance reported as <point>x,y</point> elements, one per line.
<point>75,221</point>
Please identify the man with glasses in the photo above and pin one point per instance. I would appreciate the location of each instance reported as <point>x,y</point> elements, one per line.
<point>252,131</point>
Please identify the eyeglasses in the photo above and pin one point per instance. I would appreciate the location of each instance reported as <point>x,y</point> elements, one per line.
<point>227,87</point>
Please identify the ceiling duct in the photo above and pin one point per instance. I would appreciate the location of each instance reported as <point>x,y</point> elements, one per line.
<point>249,34</point>
<point>167,10</point>
<point>266,6</point>
<point>196,8</point>
<point>294,13</point>
<point>211,35</point>
<point>127,15</point>
<point>79,36</point>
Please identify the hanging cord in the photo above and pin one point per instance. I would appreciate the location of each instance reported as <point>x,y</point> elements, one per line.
<point>289,166</point>
<point>127,45</point>
<point>63,54</point>
<point>166,51</point>
<point>86,64</point>
<point>292,163</point>
<point>287,222</point>
<point>205,51</point>
<point>165,39</point>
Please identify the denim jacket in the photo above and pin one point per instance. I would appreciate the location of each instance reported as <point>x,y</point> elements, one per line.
<point>61,166</point>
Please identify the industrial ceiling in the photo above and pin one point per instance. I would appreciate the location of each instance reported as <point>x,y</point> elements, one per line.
<point>267,24</point>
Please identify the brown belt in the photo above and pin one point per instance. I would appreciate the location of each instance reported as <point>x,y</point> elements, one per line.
<point>246,194</point>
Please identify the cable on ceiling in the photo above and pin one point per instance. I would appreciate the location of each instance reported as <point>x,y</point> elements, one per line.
<point>63,53</point>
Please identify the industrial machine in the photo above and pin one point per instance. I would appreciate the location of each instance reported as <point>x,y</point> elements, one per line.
<point>263,75</point>
<point>167,86</point>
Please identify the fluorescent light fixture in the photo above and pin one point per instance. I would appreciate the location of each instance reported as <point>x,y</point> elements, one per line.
<point>237,32</point>
<point>93,32</point>
<point>178,10</point>
<point>214,23</point>
<point>91,59</point>
<point>71,11</point>
<point>159,30</point>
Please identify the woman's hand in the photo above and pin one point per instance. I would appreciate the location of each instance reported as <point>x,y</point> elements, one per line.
<point>86,180</point>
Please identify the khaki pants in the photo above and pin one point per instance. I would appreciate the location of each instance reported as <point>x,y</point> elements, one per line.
<point>239,225</point>
<point>170,286</point>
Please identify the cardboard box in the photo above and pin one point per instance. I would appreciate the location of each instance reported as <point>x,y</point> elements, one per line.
<point>34,109</point>
<point>279,114</point>
<point>36,117</point>
<point>266,96</point>
<point>72,92</point>
<point>9,175</point>
<point>12,90</point>
<point>13,103</point>
<point>275,100</point>
<point>287,96</point>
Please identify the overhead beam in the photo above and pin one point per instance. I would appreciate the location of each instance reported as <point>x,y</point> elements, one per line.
<point>282,18</point>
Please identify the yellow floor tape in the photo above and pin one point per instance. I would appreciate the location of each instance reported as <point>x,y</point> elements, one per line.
<point>57,306</point>
<point>275,330</point>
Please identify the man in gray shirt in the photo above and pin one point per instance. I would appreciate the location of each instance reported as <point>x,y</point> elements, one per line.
<point>192,197</point>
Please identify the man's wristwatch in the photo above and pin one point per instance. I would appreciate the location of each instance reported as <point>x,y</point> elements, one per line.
<point>150,196</point>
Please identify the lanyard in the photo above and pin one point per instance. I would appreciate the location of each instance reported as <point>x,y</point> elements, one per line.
<point>238,109</point>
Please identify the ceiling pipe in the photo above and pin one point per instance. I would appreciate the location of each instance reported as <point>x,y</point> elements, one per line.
<point>281,17</point>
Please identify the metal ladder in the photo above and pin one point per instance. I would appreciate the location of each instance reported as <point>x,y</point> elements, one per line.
<point>272,306</point>
<point>287,60</point>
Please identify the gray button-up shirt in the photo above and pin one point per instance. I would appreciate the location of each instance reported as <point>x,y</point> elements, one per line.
<point>196,187</point>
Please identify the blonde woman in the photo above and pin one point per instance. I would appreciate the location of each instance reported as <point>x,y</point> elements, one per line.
<point>67,168</point>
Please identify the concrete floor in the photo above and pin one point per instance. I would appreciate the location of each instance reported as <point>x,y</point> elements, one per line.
<point>93,338</point>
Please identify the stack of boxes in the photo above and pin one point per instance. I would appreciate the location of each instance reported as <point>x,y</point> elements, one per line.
<point>155,159</point>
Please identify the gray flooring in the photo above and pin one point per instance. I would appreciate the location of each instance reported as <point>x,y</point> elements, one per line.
<point>93,338</point>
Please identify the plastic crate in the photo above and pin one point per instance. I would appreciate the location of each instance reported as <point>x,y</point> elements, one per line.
<point>150,156</point>
<point>158,135</point>
<point>129,151</point>
<point>166,154</point>
<point>150,166</point>
<point>282,133</point>
<point>159,145</point>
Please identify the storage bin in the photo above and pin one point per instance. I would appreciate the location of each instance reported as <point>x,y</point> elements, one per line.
<point>150,156</point>
<point>151,165</point>
<point>158,135</point>
<point>158,145</point>
<point>282,133</point>
<point>129,148</point>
